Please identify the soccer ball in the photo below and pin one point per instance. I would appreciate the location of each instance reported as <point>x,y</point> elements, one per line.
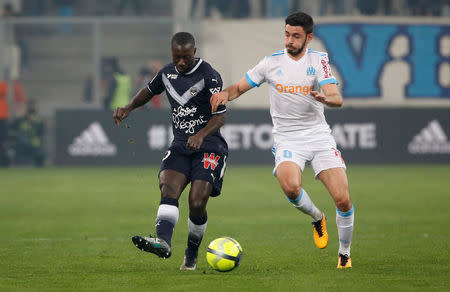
<point>224,254</point>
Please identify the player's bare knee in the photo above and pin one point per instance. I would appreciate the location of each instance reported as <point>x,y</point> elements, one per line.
<point>344,204</point>
<point>197,207</point>
<point>291,189</point>
<point>168,190</point>
<point>290,182</point>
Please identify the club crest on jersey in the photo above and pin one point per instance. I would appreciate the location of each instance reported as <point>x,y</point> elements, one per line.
<point>210,160</point>
<point>310,71</point>
<point>194,91</point>
<point>172,76</point>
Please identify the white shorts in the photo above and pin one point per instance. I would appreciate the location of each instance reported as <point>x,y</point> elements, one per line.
<point>321,155</point>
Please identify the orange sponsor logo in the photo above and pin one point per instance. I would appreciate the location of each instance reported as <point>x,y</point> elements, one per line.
<point>305,90</point>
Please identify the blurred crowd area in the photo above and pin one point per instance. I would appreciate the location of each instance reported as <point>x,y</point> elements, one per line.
<point>48,66</point>
<point>230,8</point>
<point>282,8</point>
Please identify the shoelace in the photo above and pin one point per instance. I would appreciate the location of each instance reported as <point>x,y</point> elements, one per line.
<point>344,260</point>
<point>318,227</point>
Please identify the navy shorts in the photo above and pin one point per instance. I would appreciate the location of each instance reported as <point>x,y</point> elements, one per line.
<point>208,166</point>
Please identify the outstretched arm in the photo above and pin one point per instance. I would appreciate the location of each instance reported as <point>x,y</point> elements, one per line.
<point>215,123</point>
<point>331,95</point>
<point>141,98</point>
<point>229,93</point>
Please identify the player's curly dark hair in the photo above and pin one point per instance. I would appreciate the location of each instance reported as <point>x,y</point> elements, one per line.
<point>301,19</point>
<point>183,39</point>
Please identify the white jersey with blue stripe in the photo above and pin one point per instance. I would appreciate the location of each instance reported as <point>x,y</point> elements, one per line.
<point>292,107</point>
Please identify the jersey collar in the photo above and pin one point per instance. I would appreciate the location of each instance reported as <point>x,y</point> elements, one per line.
<point>299,60</point>
<point>199,61</point>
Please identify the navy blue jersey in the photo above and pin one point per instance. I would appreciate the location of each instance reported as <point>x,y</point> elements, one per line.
<point>189,95</point>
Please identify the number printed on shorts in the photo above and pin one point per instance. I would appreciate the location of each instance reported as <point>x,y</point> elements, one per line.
<point>287,154</point>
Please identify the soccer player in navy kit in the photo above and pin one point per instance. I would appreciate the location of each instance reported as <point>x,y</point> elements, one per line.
<point>198,152</point>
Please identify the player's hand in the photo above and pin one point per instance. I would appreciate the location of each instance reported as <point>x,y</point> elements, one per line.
<point>218,99</point>
<point>194,142</point>
<point>120,114</point>
<point>319,96</point>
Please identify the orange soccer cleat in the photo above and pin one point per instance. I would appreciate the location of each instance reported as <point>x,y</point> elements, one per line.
<point>344,261</point>
<point>320,232</point>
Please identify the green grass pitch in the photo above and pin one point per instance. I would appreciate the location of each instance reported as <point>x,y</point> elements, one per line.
<point>69,229</point>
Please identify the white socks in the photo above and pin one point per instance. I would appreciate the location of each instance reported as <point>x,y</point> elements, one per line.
<point>166,219</point>
<point>169,213</point>
<point>304,204</point>
<point>196,228</point>
<point>196,231</point>
<point>344,223</point>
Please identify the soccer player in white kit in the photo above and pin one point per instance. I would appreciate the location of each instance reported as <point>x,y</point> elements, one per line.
<point>295,76</point>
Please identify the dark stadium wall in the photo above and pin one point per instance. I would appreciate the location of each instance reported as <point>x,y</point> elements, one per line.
<point>397,135</point>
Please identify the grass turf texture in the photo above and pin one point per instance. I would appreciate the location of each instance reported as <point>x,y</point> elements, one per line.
<point>69,229</point>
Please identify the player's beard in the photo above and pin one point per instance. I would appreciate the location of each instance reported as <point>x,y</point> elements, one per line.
<point>297,52</point>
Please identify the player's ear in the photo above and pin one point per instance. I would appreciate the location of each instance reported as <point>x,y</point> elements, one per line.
<point>195,51</point>
<point>310,36</point>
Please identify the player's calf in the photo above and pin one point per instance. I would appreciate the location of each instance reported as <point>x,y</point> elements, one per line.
<point>197,228</point>
<point>344,223</point>
<point>167,218</point>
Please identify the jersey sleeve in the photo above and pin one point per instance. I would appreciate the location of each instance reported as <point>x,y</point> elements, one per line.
<point>324,75</point>
<point>156,85</point>
<point>257,75</point>
<point>213,84</point>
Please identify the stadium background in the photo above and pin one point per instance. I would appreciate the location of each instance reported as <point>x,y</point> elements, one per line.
<point>400,61</point>
<point>392,59</point>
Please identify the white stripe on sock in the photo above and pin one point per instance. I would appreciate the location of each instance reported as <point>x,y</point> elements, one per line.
<point>169,213</point>
<point>196,230</point>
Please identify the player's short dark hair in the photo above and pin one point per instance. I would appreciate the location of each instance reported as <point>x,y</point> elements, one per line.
<point>183,39</point>
<point>301,19</point>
